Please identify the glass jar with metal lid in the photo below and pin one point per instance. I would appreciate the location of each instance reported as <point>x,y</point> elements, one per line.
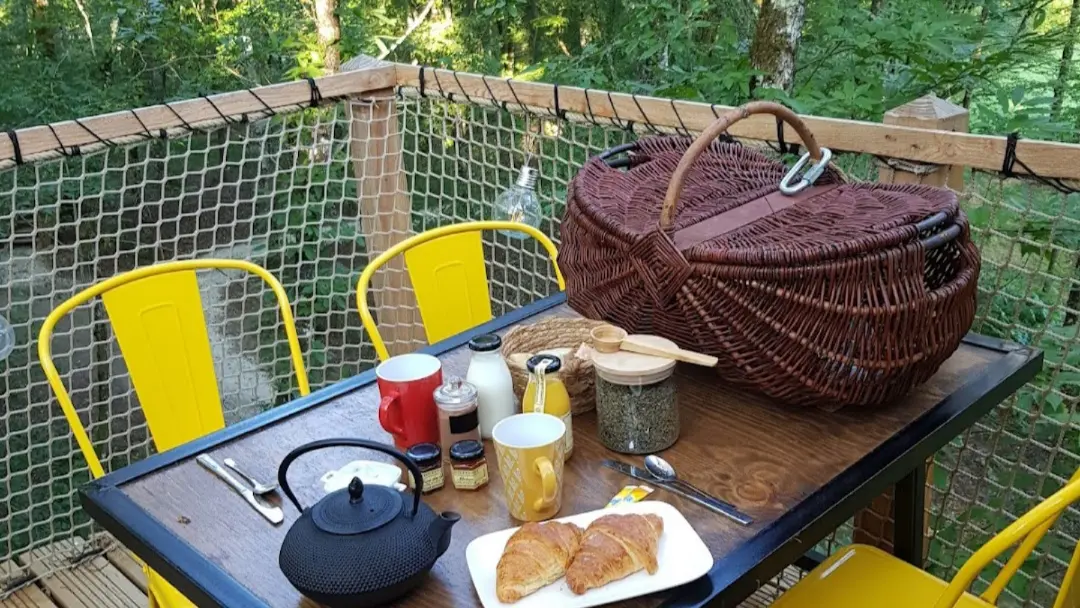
<point>458,418</point>
<point>428,457</point>
<point>468,467</point>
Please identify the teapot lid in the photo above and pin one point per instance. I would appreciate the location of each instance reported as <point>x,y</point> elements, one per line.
<point>356,509</point>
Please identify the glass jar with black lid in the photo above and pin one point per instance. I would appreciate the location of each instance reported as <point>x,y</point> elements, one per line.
<point>428,457</point>
<point>468,466</point>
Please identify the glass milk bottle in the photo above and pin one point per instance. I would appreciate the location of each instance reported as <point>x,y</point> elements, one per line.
<point>491,377</point>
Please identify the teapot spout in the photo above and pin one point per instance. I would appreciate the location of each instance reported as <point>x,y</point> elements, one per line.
<point>440,530</point>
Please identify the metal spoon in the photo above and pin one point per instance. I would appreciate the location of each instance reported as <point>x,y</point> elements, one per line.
<point>259,489</point>
<point>662,470</point>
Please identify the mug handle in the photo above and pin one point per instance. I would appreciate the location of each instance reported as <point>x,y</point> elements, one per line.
<point>547,479</point>
<point>388,413</point>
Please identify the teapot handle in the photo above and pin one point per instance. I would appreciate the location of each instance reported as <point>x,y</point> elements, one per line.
<point>414,470</point>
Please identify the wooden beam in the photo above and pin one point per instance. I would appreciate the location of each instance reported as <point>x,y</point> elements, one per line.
<point>933,113</point>
<point>195,112</point>
<point>385,214</point>
<point>1048,159</point>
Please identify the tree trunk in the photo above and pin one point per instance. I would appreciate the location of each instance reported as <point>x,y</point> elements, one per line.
<point>984,14</point>
<point>876,6</point>
<point>532,13</point>
<point>1065,65</point>
<point>329,33</point>
<point>572,33</point>
<point>44,37</point>
<point>776,39</point>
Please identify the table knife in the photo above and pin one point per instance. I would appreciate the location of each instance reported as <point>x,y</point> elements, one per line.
<point>709,502</point>
<point>273,514</point>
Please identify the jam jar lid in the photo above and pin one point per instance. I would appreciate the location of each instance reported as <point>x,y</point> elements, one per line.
<point>455,393</point>
<point>468,449</point>
<point>485,343</point>
<point>554,363</point>
<point>424,454</point>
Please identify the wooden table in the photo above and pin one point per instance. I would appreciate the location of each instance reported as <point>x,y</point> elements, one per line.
<point>798,472</point>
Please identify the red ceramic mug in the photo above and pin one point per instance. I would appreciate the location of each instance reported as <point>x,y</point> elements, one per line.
<point>407,408</point>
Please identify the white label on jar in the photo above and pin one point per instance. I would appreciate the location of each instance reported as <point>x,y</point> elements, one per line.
<point>568,439</point>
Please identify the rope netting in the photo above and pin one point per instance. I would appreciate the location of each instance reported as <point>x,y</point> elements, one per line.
<point>297,192</point>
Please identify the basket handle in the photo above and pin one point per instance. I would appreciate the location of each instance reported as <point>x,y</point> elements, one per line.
<point>720,125</point>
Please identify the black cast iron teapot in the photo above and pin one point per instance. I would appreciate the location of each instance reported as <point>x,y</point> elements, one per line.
<point>361,546</point>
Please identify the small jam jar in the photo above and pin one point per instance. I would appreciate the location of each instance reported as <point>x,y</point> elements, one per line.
<point>428,457</point>
<point>468,467</point>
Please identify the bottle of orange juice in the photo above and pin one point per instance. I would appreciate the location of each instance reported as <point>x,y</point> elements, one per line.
<point>547,394</point>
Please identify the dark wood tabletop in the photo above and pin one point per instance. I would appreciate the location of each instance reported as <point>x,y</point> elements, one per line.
<point>797,472</point>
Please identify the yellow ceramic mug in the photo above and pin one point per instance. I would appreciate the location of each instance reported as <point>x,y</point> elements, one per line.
<point>530,451</point>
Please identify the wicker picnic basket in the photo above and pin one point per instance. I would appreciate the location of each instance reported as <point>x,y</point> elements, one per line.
<point>819,293</point>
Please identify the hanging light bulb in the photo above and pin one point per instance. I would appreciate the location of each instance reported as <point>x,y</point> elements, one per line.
<point>519,203</point>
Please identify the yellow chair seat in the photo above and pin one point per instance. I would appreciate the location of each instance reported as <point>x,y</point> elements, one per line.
<point>859,576</point>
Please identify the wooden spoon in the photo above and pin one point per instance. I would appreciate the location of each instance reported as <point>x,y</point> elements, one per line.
<point>609,339</point>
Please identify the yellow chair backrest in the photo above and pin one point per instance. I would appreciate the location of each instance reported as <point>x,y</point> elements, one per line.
<point>156,314</point>
<point>1027,531</point>
<point>449,279</point>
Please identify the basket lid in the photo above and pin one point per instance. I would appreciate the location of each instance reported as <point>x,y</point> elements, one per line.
<point>834,221</point>
<point>632,369</point>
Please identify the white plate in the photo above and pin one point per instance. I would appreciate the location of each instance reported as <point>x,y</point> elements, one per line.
<point>682,555</point>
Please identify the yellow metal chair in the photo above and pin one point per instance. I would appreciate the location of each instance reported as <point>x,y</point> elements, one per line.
<point>157,316</point>
<point>449,279</point>
<point>859,576</point>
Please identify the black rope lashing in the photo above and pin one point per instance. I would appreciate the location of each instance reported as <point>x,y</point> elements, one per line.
<point>101,141</point>
<point>682,125</point>
<point>588,107</point>
<point>559,112</point>
<point>517,100</point>
<point>460,86</point>
<point>186,124</point>
<point>1010,160</point>
<point>226,119</point>
<point>628,126</point>
<point>142,124</point>
<point>648,123</point>
<point>63,149</point>
<point>269,110</point>
<point>423,93</point>
<point>15,148</point>
<point>316,94</point>
<point>438,84</point>
<point>494,100</point>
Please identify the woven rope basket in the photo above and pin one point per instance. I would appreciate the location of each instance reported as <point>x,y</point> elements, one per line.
<point>836,295</point>
<point>556,332</point>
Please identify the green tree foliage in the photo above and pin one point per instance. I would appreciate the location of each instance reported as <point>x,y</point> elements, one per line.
<point>856,58</point>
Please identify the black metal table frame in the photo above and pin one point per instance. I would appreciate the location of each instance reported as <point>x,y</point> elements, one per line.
<point>900,460</point>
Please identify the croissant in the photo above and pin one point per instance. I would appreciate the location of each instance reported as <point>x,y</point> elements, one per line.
<point>614,547</point>
<point>535,556</point>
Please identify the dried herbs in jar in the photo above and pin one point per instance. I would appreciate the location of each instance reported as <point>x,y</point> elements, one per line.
<point>636,401</point>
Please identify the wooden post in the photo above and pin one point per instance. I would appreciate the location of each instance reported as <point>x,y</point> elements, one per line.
<point>927,112</point>
<point>874,524</point>
<point>385,210</point>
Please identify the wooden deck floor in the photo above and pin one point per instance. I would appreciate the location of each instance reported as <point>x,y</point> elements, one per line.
<point>109,580</point>
<point>114,580</point>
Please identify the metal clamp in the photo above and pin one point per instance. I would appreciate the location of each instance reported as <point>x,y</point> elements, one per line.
<point>812,174</point>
